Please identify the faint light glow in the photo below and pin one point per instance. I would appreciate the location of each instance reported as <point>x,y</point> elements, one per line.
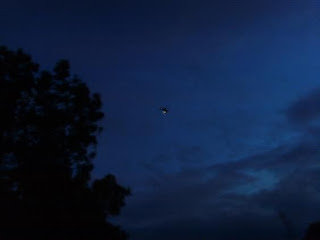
<point>164,110</point>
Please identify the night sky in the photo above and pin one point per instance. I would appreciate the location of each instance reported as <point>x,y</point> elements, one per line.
<point>241,80</point>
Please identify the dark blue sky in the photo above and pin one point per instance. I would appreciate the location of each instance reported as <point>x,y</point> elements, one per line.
<point>241,81</point>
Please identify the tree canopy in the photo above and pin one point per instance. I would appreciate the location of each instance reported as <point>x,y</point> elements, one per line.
<point>48,136</point>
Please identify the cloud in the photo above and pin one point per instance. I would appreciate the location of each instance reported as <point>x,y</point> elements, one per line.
<point>231,200</point>
<point>176,158</point>
<point>305,110</point>
<point>224,228</point>
<point>238,199</point>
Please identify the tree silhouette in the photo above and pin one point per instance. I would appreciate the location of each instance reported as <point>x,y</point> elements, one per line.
<point>48,135</point>
<point>313,231</point>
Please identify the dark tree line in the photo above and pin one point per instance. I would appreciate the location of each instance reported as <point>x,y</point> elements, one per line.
<point>49,123</point>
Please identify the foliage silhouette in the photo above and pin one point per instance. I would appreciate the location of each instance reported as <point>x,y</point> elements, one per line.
<point>48,134</point>
<point>313,232</point>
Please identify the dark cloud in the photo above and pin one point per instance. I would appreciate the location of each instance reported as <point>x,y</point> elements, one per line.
<point>180,156</point>
<point>190,154</point>
<point>220,228</point>
<point>239,199</point>
<point>306,109</point>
